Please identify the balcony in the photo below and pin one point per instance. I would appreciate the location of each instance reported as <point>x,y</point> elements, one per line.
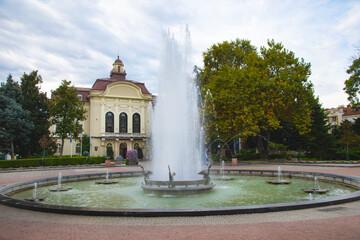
<point>109,135</point>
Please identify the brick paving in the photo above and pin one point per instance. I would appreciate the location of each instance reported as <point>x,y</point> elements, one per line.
<point>342,223</point>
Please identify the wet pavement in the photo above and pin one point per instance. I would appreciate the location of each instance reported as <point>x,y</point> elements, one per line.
<point>331,222</point>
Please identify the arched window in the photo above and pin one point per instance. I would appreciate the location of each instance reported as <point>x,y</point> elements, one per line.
<point>136,123</point>
<point>123,122</point>
<point>78,148</point>
<point>109,122</point>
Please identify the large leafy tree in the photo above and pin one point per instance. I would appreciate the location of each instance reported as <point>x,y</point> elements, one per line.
<point>36,103</point>
<point>14,125</point>
<point>254,92</point>
<point>66,112</point>
<point>352,85</point>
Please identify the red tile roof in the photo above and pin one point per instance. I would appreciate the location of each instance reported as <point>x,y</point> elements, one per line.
<point>102,83</point>
<point>349,111</point>
<point>84,92</point>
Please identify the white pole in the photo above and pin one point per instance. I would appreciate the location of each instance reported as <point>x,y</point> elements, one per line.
<point>71,146</point>
<point>89,145</point>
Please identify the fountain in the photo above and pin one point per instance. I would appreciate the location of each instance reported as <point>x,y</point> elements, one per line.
<point>35,197</point>
<point>178,169</point>
<point>280,179</point>
<point>222,173</point>
<point>59,188</point>
<point>177,141</point>
<point>316,188</point>
<point>107,181</point>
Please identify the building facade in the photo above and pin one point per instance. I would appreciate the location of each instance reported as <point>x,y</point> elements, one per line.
<point>118,115</point>
<point>338,115</point>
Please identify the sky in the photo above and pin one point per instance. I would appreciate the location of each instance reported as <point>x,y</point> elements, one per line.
<point>79,40</point>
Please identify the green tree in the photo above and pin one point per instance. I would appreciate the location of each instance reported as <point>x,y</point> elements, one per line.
<point>254,92</point>
<point>110,152</point>
<point>321,142</point>
<point>352,85</point>
<point>348,138</point>
<point>66,111</point>
<point>355,126</point>
<point>12,90</point>
<point>14,126</point>
<point>85,143</point>
<point>36,103</point>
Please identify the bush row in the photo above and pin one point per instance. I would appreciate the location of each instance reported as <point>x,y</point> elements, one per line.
<point>37,162</point>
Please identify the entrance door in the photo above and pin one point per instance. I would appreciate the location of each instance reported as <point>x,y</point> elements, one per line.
<point>123,150</point>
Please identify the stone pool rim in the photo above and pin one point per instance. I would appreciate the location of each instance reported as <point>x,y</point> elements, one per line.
<point>351,181</point>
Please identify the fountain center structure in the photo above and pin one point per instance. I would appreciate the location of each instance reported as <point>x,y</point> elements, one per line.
<point>177,137</point>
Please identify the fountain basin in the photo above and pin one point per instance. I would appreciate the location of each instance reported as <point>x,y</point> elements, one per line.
<point>177,187</point>
<point>60,189</point>
<point>106,182</point>
<point>7,190</point>
<point>35,199</point>
<point>314,190</point>
<point>279,182</point>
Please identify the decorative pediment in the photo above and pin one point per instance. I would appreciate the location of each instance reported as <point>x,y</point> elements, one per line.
<point>123,90</point>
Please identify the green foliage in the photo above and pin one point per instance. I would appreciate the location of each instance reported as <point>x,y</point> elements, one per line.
<point>110,153</point>
<point>66,112</point>
<point>12,90</point>
<point>140,153</point>
<point>36,103</point>
<point>321,144</point>
<point>15,126</point>
<point>256,92</point>
<point>352,85</point>
<point>50,162</point>
<point>85,144</point>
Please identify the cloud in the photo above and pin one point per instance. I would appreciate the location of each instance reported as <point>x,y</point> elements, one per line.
<point>79,40</point>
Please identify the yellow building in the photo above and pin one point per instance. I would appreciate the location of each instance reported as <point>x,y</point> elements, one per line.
<point>118,115</point>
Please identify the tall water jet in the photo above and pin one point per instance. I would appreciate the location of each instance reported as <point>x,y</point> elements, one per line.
<point>176,132</point>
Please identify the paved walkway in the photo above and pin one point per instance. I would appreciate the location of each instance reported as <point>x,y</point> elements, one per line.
<point>332,222</point>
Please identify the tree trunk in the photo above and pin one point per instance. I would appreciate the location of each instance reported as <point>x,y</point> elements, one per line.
<point>62,147</point>
<point>263,146</point>
<point>12,150</point>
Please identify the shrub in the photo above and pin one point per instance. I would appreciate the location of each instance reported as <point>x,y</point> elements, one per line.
<point>132,156</point>
<point>110,153</point>
<point>37,162</point>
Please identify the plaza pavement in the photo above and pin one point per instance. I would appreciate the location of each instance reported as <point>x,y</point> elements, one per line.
<point>331,222</point>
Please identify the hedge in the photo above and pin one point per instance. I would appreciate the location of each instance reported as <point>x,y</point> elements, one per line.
<point>37,162</point>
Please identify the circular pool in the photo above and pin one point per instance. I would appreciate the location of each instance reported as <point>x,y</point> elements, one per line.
<point>247,192</point>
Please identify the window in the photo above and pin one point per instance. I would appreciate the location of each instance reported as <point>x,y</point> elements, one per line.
<point>123,123</point>
<point>136,123</point>
<point>333,119</point>
<point>58,148</point>
<point>78,148</point>
<point>109,122</point>
<point>80,96</point>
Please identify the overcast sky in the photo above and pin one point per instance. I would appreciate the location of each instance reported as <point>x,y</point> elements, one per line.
<point>79,40</point>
